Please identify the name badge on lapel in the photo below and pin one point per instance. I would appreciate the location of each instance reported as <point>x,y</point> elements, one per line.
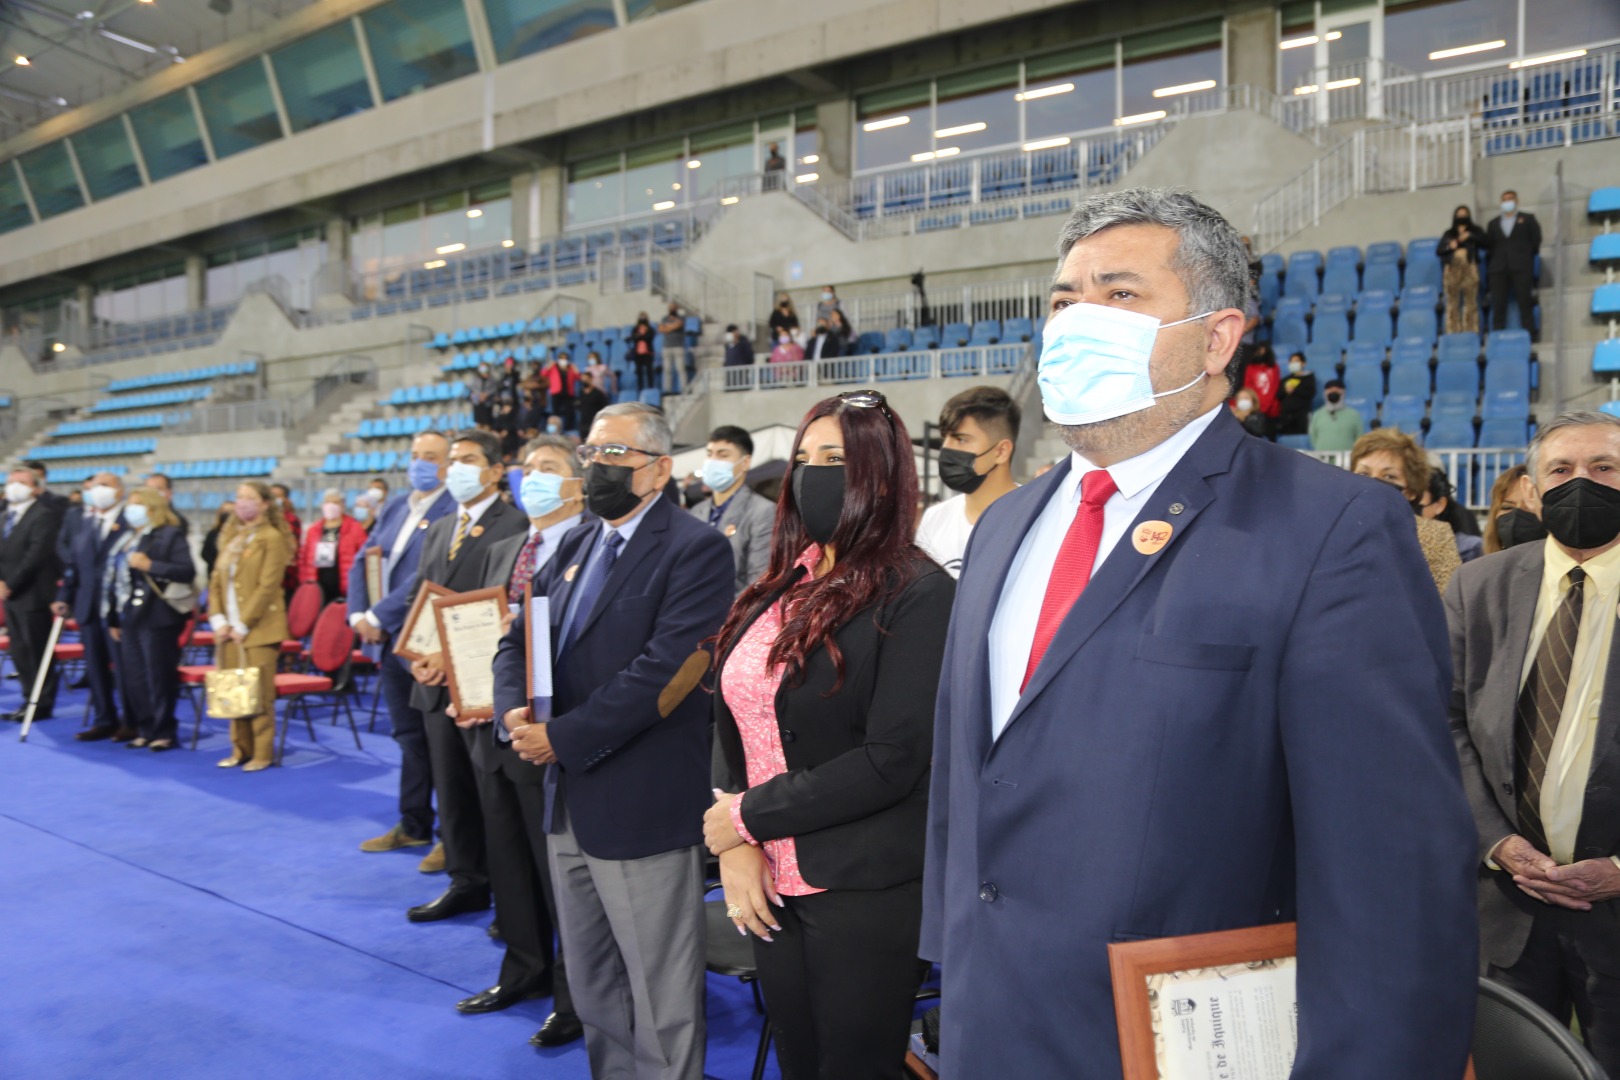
<point>571,572</point>
<point>1150,536</point>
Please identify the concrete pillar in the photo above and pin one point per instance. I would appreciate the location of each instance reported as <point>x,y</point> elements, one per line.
<point>337,240</point>
<point>1251,48</point>
<point>196,282</point>
<point>547,201</point>
<point>522,208</point>
<point>835,123</point>
<point>86,297</point>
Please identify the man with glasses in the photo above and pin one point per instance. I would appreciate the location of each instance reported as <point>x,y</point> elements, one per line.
<point>624,741</point>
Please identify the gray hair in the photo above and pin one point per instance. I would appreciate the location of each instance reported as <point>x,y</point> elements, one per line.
<point>333,495</point>
<point>560,443</point>
<point>1577,418</point>
<point>1209,260</point>
<point>653,432</point>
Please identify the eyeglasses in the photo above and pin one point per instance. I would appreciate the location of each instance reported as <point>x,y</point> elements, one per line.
<point>609,453</point>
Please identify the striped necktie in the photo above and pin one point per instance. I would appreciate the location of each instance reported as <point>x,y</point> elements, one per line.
<point>1541,706</point>
<point>461,534</point>
<point>523,569</point>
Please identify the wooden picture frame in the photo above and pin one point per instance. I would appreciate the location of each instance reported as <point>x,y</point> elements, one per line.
<point>1251,962</point>
<point>468,646</point>
<point>403,647</point>
<point>374,575</point>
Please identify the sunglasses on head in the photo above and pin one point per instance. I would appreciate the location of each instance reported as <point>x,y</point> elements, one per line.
<point>866,399</point>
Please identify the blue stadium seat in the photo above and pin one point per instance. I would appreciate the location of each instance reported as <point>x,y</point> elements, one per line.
<point>1502,432</point>
<point>1384,251</point>
<point>1287,325</point>
<point>1017,330</point>
<point>1364,380</point>
<point>1331,301</point>
<point>1457,377</point>
<point>1417,321</point>
<point>1606,358</point>
<point>1507,376</point>
<point>1331,328</point>
<point>1605,248</point>
<point>1341,279</point>
<point>1409,379</point>
<point>1404,411</point>
<point>869,343</point>
<point>1344,256</point>
<point>1373,320</point>
<point>1410,350</point>
<point>1500,404</point>
<point>1507,345</point>
<point>1606,299</point>
<point>1294,442</point>
<point>954,335</point>
<point>1321,359</point>
<point>1272,263</point>
<point>897,340</point>
<point>1422,264</point>
<point>1603,201</point>
<point>1450,432</point>
<point>1382,275</point>
<point>985,332</point>
<point>1458,347</point>
<point>1301,279</point>
<point>1365,352</point>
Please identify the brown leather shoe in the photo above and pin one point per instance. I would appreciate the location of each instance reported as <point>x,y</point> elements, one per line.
<point>95,734</point>
<point>392,840</point>
<point>125,734</point>
<point>434,862</point>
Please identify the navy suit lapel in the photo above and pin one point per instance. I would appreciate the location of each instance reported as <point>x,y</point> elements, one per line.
<point>649,534</point>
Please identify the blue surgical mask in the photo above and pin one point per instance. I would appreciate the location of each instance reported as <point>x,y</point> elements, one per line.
<point>1094,363</point>
<point>136,515</point>
<point>1508,206</point>
<point>424,475</point>
<point>718,475</point>
<point>466,482</point>
<point>541,494</point>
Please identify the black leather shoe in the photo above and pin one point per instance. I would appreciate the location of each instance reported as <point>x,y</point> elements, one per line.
<point>456,900</point>
<point>497,998</point>
<point>560,1029</point>
<point>494,931</point>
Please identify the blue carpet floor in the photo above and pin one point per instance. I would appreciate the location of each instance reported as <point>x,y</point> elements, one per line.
<point>164,918</point>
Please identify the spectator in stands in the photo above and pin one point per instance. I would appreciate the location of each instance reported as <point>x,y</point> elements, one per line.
<point>1262,376</point>
<point>163,485</point>
<point>842,333</point>
<point>248,613</point>
<point>787,350</point>
<point>592,400</point>
<point>149,562</point>
<point>1513,240</point>
<point>822,345</point>
<point>329,548</point>
<point>823,745</point>
<point>641,352</point>
<point>732,506</point>
<point>828,304</point>
<point>29,567</point>
<point>87,543</point>
<point>562,384</point>
<point>1439,503</point>
<point>210,544</point>
<point>739,350</point>
<point>1459,255</point>
<point>784,317</point>
<point>1246,408</point>
<point>601,375</point>
<point>481,391</point>
<point>1514,517</point>
<point>1335,426</point>
<point>673,328</point>
<point>535,398</point>
<point>1295,397</point>
<point>1391,455</point>
<point>775,166</point>
<point>979,435</point>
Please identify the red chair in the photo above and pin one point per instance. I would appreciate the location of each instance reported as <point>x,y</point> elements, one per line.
<point>5,643</point>
<point>302,611</point>
<point>331,653</point>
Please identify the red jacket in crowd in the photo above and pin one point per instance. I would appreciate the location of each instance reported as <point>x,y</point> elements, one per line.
<point>1264,380</point>
<point>351,538</point>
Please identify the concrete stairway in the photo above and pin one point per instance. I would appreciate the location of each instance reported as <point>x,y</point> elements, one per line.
<point>328,436</point>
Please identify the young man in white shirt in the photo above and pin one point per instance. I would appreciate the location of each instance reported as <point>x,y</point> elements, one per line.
<point>980,431</point>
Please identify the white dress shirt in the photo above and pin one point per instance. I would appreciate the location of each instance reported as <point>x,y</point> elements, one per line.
<point>109,516</point>
<point>1012,631</point>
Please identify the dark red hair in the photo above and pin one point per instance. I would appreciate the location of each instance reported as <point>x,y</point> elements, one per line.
<point>873,541</point>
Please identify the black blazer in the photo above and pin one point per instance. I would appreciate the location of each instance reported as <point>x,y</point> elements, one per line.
<point>1516,252</point>
<point>29,561</point>
<point>855,796</point>
<point>171,561</point>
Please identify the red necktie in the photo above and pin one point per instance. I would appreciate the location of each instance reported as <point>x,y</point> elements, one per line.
<point>1072,569</point>
<point>523,569</point>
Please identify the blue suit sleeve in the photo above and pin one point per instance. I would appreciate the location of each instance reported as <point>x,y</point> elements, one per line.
<point>1385,877</point>
<point>172,559</point>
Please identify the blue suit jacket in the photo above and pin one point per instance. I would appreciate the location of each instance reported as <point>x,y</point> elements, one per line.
<point>1247,727</point>
<point>171,559</point>
<point>394,606</point>
<point>84,558</point>
<point>636,779</point>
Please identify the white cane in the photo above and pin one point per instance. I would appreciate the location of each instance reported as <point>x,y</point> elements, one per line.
<point>39,680</point>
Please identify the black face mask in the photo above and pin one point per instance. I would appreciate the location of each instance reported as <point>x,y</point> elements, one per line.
<point>956,469</point>
<point>1460,222</point>
<point>607,491</point>
<point>1333,397</point>
<point>1515,527</point>
<point>818,492</point>
<point>1581,514</point>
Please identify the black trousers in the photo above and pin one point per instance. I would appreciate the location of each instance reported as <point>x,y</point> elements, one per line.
<point>101,659</point>
<point>30,629</point>
<point>525,902</point>
<point>1518,282</point>
<point>410,732</point>
<point>149,664</point>
<point>841,979</point>
<point>461,819</point>
<point>1554,972</point>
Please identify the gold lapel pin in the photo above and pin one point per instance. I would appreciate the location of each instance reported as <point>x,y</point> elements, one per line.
<point>477,530</point>
<point>731,530</point>
<point>568,575</point>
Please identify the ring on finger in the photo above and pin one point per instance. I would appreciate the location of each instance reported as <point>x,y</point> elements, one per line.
<point>734,911</point>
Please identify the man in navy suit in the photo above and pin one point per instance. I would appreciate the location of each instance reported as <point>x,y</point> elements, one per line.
<point>1194,682</point>
<point>399,534</point>
<point>625,741</point>
<point>86,540</point>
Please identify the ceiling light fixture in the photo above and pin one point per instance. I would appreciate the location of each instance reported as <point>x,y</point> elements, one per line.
<point>891,122</point>
<point>730,200</point>
<point>475,213</point>
<point>809,159</point>
<point>508,243</point>
<point>1298,43</point>
<point>1464,50</point>
<point>1047,144</point>
<point>434,265</point>
<point>450,249</point>
<point>1140,118</point>
<point>1340,84</point>
<point>694,164</point>
<point>960,129</point>
<point>1184,88</point>
<point>1045,91</point>
<point>807,178</point>
<point>667,204</point>
<point>23,61</point>
<point>1550,58</point>
<point>1301,91</point>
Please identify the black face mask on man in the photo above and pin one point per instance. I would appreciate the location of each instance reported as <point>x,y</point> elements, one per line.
<point>818,492</point>
<point>1581,514</point>
<point>958,469</point>
<point>1515,527</point>
<point>608,492</point>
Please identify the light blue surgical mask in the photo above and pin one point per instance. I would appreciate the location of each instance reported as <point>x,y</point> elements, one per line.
<point>136,515</point>
<point>1508,206</point>
<point>541,494</point>
<point>719,475</point>
<point>1094,363</point>
<point>424,475</point>
<point>466,482</point>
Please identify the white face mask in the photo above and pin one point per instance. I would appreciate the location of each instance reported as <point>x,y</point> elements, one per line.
<point>1508,206</point>
<point>826,297</point>
<point>1095,363</point>
<point>137,516</point>
<point>18,493</point>
<point>100,496</point>
<point>1295,366</point>
<point>1243,406</point>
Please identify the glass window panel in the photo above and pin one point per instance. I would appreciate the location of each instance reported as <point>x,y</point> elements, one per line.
<point>321,77</point>
<point>893,125</point>
<point>107,159</point>
<point>1139,78</point>
<point>524,27</point>
<point>595,197</point>
<point>168,134</point>
<point>988,97</point>
<point>416,44</point>
<point>1555,25</point>
<point>238,109</point>
<point>1413,31</point>
<point>1088,106</point>
<point>444,228</point>
<point>50,178</point>
<point>718,165</point>
<point>402,238</point>
<point>655,174</point>
<point>641,9</point>
<point>13,204</point>
<point>489,223</point>
<point>1294,65</point>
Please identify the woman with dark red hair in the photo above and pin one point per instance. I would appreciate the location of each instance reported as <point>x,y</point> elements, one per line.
<point>824,723</point>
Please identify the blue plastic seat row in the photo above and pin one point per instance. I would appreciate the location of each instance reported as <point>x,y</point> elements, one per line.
<point>373,461</point>
<point>1606,300</point>
<point>152,399</point>
<point>110,424</point>
<point>170,378</point>
<point>401,427</point>
<point>218,468</point>
<point>115,448</point>
<point>78,474</point>
<point>427,395</point>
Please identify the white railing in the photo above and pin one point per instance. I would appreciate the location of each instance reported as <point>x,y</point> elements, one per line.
<point>1578,86</point>
<point>1021,298</point>
<point>970,361</point>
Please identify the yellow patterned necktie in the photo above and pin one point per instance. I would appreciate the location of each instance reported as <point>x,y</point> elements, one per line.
<point>461,534</point>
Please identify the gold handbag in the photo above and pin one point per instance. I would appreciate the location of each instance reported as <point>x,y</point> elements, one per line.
<point>233,693</point>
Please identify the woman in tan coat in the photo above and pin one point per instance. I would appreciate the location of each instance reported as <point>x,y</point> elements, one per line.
<point>1391,455</point>
<point>249,615</point>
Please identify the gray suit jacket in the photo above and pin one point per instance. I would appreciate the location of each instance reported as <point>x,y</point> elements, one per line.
<point>1490,605</point>
<point>747,522</point>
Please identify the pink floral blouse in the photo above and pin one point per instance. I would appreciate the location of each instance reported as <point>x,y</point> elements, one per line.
<point>749,685</point>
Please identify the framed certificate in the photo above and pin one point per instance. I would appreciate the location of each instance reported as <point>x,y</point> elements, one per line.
<point>1209,1006</point>
<point>419,637</point>
<point>537,649</point>
<point>470,631</point>
<point>374,576</point>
